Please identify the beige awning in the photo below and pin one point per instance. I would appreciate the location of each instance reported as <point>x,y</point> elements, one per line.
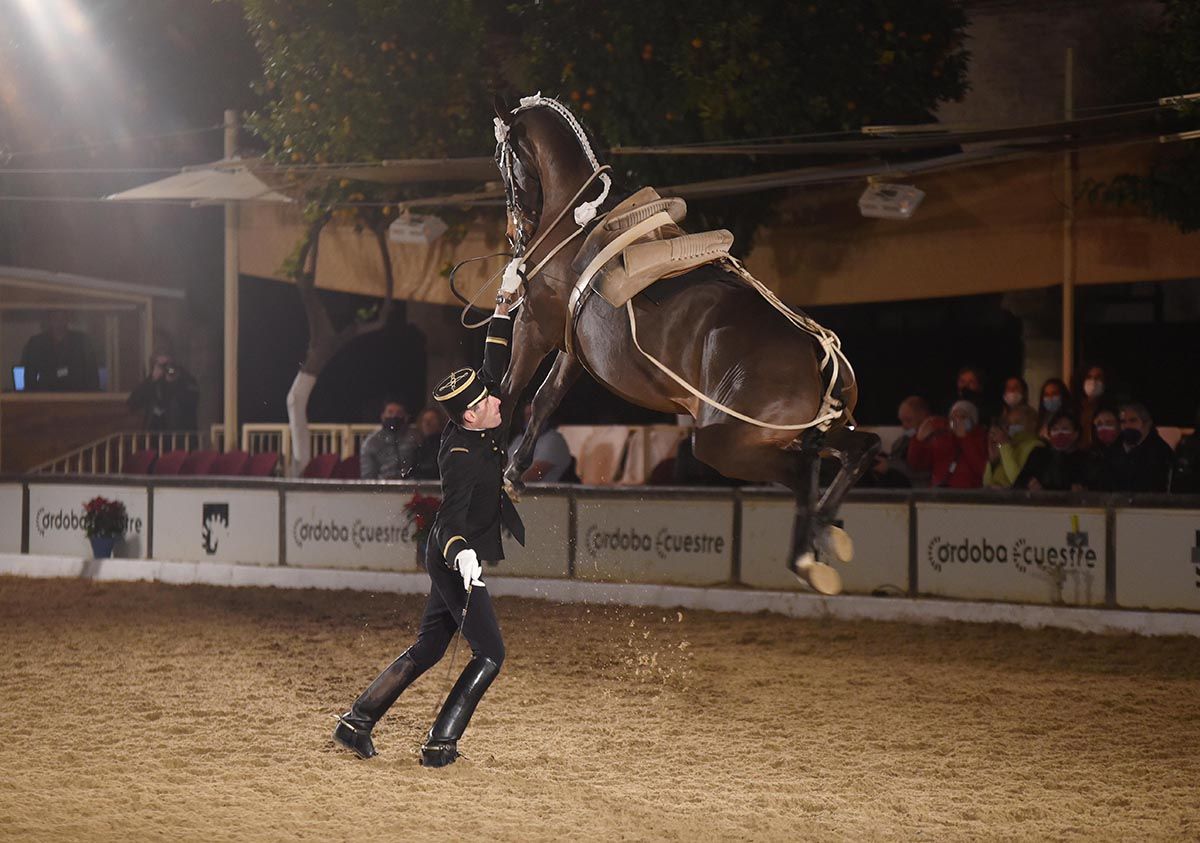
<point>221,181</point>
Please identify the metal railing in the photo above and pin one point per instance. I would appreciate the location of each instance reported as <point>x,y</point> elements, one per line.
<point>345,440</point>
<point>108,454</point>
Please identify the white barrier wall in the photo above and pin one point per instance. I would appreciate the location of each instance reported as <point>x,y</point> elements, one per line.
<point>680,541</point>
<point>10,518</point>
<point>547,551</point>
<point>1018,553</point>
<point>56,519</point>
<point>879,531</point>
<point>359,530</point>
<point>217,525</point>
<point>1158,558</point>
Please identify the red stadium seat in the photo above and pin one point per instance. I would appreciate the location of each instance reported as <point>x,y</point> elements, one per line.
<point>170,463</point>
<point>230,464</point>
<point>262,465</point>
<point>320,467</point>
<point>348,469</point>
<point>198,463</point>
<point>139,462</point>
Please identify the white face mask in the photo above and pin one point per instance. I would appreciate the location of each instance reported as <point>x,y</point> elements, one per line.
<point>1014,429</point>
<point>1093,388</point>
<point>1012,399</point>
<point>1052,403</point>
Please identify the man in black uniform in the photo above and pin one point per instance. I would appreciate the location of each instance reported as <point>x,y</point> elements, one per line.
<point>466,530</point>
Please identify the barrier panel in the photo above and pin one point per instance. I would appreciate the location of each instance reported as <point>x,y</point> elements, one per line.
<point>879,530</point>
<point>673,538</point>
<point>216,525</point>
<point>56,518</point>
<point>547,551</point>
<point>1027,554</point>
<point>1158,558</point>
<point>351,529</point>
<point>11,517</point>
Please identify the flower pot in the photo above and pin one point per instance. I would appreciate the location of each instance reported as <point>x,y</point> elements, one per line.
<point>102,546</point>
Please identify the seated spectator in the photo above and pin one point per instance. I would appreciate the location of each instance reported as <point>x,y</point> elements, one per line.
<point>1105,433</point>
<point>1091,395</point>
<point>960,458</point>
<point>430,424</point>
<point>1009,448</point>
<point>919,449</point>
<point>1061,467</point>
<point>552,460</point>
<point>1185,479</point>
<point>892,470</point>
<point>1054,396</point>
<point>969,387</point>
<point>388,453</point>
<point>1140,461</point>
<point>59,359</point>
<point>167,398</point>
<point>1016,397</point>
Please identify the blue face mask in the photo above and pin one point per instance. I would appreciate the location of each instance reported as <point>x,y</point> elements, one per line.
<point>1052,403</point>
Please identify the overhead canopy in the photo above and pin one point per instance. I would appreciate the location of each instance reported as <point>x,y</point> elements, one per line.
<point>993,227</point>
<point>222,181</point>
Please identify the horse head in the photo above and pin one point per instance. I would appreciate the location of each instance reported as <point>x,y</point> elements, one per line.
<point>553,185</point>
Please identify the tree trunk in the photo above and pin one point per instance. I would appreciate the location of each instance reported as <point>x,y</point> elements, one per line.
<point>323,341</point>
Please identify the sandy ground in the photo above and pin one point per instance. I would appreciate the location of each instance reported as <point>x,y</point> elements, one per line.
<point>144,711</point>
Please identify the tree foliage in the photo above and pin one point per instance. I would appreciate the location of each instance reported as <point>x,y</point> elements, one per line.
<point>363,80</point>
<point>1163,60</point>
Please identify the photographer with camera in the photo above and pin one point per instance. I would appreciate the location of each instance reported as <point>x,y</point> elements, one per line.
<point>168,397</point>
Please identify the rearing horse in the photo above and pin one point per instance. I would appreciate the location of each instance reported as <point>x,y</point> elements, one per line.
<point>720,335</point>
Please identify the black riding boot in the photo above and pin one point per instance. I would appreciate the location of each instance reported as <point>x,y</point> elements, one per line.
<point>354,727</point>
<point>441,745</point>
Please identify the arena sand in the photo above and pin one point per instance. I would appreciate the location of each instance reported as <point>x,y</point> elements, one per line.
<point>144,711</point>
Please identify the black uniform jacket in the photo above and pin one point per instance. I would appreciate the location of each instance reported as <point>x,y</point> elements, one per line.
<point>472,462</point>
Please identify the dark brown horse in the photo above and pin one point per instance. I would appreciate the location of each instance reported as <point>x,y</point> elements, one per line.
<point>709,326</point>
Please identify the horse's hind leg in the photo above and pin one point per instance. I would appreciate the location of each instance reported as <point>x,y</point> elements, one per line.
<point>855,450</point>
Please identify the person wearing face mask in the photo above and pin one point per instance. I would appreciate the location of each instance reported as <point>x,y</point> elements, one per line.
<point>1010,448</point>
<point>1140,461</point>
<point>969,387</point>
<point>892,470</point>
<point>1016,398</point>
<point>1062,466</point>
<point>1092,392</point>
<point>389,453</point>
<point>922,429</point>
<point>1105,433</point>
<point>1054,396</point>
<point>959,459</point>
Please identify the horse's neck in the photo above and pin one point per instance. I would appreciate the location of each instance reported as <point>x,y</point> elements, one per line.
<point>557,196</point>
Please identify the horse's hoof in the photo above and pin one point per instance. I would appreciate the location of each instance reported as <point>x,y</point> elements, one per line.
<point>834,543</point>
<point>823,578</point>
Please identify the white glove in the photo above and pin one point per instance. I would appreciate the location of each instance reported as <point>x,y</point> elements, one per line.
<point>469,568</point>
<point>514,276</point>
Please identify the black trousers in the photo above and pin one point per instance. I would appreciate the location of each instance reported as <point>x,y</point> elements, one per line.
<point>443,613</point>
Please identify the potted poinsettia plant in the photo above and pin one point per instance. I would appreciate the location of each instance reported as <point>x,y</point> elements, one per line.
<point>104,523</point>
<point>420,512</point>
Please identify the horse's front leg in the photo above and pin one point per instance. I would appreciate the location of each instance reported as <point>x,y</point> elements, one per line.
<point>563,374</point>
<point>528,351</point>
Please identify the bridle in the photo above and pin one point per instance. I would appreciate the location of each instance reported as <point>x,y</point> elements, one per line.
<point>524,221</point>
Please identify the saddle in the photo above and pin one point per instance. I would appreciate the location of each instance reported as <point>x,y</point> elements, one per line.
<point>638,243</point>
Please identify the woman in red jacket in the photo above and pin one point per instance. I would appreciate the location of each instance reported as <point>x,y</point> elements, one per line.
<point>960,459</point>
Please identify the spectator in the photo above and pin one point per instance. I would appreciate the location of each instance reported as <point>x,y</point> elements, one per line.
<point>1061,467</point>
<point>59,359</point>
<point>552,460</point>
<point>167,398</point>
<point>1105,433</point>
<point>1016,396</point>
<point>919,450</point>
<point>1054,396</point>
<point>1009,448</point>
<point>960,458</point>
<point>1185,479</point>
<point>969,387</point>
<point>430,424</point>
<point>388,453</point>
<point>1140,461</point>
<point>1091,395</point>
<point>892,471</point>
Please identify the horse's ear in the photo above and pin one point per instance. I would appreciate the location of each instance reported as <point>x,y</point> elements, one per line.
<point>501,107</point>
